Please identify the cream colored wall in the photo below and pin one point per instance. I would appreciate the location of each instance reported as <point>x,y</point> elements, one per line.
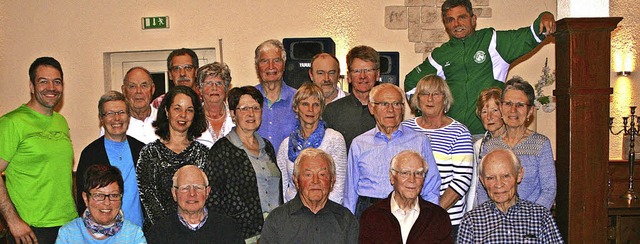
<point>626,90</point>
<point>78,33</point>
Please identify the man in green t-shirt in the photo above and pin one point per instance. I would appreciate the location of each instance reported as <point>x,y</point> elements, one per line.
<point>37,158</point>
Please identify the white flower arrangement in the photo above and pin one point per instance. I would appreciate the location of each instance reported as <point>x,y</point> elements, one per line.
<point>546,79</point>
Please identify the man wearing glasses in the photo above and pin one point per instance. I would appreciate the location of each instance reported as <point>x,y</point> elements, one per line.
<point>367,180</point>
<point>350,115</point>
<point>193,223</point>
<point>117,149</point>
<point>36,157</point>
<point>404,217</point>
<point>182,65</point>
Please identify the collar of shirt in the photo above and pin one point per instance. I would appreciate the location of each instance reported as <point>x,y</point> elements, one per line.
<point>395,209</point>
<point>382,136</point>
<point>515,208</point>
<point>297,207</point>
<point>286,94</point>
<point>235,140</point>
<point>186,224</point>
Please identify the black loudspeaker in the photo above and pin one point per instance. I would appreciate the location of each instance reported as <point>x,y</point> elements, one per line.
<point>390,67</point>
<point>300,51</point>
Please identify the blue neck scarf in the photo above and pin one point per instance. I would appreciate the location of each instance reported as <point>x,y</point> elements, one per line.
<point>297,142</point>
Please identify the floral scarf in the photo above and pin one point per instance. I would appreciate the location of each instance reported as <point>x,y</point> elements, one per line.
<point>297,143</point>
<point>95,228</point>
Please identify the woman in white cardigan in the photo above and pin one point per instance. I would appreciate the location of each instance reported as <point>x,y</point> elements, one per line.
<point>310,131</point>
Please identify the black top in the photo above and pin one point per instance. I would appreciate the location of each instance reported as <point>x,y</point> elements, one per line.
<point>217,229</point>
<point>349,117</point>
<point>95,153</point>
<point>295,223</point>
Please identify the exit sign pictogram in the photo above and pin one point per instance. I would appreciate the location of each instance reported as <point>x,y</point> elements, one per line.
<point>160,22</point>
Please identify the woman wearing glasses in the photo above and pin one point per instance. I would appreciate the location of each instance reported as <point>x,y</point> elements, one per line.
<point>244,177</point>
<point>214,80</point>
<point>310,132</point>
<point>450,141</point>
<point>102,221</point>
<point>534,150</point>
<point>180,121</point>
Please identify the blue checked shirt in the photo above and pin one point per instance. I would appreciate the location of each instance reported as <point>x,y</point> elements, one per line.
<point>524,222</point>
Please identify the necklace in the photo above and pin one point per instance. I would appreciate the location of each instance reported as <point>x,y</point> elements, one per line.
<point>222,116</point>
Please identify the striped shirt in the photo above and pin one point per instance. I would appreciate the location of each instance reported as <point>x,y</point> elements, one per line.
<point>453,151</point>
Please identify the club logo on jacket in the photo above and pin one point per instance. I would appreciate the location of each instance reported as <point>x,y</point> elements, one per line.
<point>480,57</point>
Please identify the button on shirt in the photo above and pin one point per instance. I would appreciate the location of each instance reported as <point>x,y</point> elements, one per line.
<point>405,218</point>
<point>278,118</point>
<point>369,162</point>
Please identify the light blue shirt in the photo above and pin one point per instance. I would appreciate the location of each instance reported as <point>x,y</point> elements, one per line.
<point>370,160</point>
<point>278,118</point>
<point>119,154</point>
<point>76,232</point>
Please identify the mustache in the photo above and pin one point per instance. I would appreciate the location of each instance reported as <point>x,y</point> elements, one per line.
<point>460,28</point>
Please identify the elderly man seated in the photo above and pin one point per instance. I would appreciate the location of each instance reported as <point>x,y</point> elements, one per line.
<point>368,163</point>
<point>193,223</point>
<point>311,217</point>
<point>404,217</point>
<point>506,218</point>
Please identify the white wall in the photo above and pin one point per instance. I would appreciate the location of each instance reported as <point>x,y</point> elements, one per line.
<point>78,33</point>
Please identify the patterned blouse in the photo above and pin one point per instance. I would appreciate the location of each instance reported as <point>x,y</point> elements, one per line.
<point>234,188</point>
<point>155,170</point>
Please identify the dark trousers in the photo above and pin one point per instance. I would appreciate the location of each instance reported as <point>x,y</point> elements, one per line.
<point>45,235</point>
<point>364,203</point>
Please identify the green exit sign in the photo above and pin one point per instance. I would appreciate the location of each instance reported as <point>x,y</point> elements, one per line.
<point>160,22</point>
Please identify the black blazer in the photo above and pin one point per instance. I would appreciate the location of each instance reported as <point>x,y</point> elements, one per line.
<point>95,153</point>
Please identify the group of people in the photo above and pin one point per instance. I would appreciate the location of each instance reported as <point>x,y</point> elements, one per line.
<point>208,163</point>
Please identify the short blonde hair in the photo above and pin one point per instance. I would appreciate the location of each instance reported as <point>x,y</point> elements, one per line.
<point>307,90</point>
<point>431,83</point>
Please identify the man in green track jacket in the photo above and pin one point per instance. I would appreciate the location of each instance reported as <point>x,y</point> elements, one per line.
<point>473,60</point>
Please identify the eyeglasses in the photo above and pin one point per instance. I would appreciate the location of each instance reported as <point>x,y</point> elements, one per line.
<point>366,71</point>
<point>112,114</point>
<point>431,94</point>
<point>187,188</point>
<point>212,83</point>
<point>245,109</point>
<point>419,174</point>
<point>186,67</point>
<point>519,105</point>
<point>101,197</point>
<point>396,105</point>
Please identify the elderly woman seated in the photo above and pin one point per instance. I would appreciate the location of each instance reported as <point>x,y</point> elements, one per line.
<point>102,221</point>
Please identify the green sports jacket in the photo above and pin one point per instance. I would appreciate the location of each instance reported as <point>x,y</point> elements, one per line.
<point>470,65</point>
